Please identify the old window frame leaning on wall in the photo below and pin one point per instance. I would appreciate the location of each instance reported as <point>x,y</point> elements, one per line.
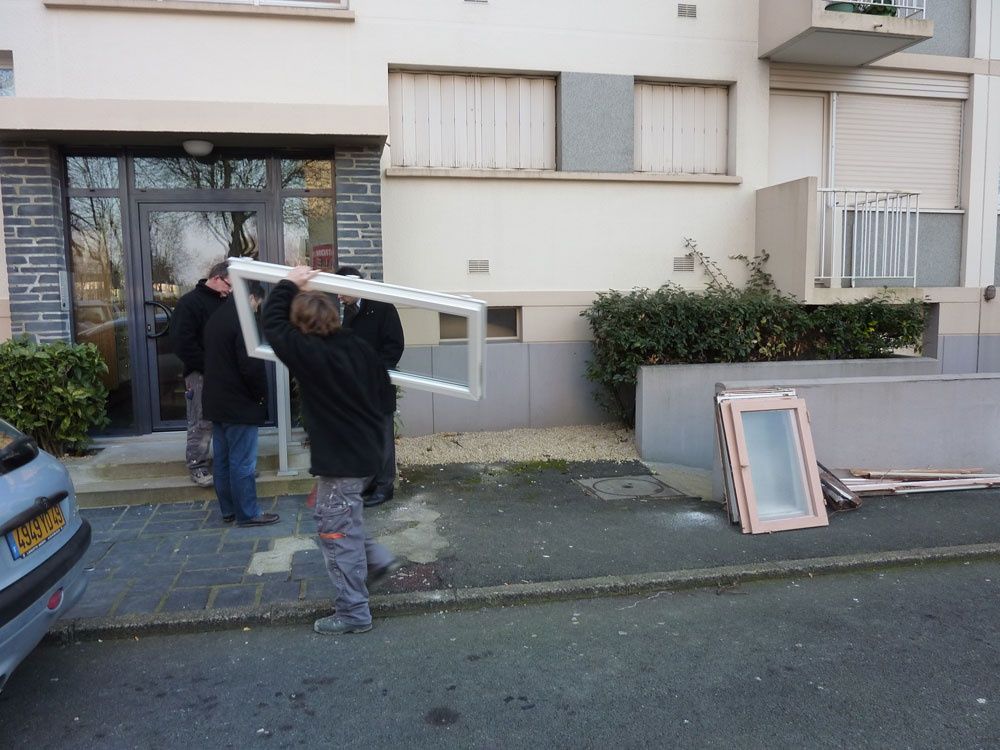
<point>741,449</point>
<point>242,270</point>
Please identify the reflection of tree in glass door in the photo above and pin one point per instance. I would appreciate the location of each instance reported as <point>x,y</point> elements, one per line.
<point>183,245</point>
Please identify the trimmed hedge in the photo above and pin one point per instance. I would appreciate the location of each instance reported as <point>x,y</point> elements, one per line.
<point>671,325</point>
<point>53,392</point>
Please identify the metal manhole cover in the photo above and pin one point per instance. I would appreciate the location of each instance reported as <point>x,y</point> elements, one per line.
<point>623,488</point>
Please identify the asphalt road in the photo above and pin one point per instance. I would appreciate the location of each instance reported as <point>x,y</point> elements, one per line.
<point>898,659</point>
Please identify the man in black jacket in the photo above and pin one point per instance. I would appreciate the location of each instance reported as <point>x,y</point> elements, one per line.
<point>187,327</point>
<point>378,324</point>
<point>235,400</point>
<point>347,394</point>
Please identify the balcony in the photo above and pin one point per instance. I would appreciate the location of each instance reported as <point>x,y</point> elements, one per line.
<point>804,31</point>
<point>825,239</point>
<point>867,237</point>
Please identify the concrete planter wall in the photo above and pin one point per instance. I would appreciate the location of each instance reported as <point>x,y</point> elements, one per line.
<point>940,421</point>
<point>675,420</point>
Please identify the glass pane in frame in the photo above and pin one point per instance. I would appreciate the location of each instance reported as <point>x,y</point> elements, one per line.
<point>306,174</point>
<point>186,173</point>
<point>776,464</point>
<point>99,305</point>
<point>309,232</point>
<point>92,172</point>
<point>183,246</point>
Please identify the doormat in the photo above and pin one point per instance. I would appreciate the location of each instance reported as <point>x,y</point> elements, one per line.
<point>628,488</point>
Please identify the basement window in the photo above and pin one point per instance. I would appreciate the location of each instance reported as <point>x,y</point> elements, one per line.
<point>502,324</point>
<point>6,72</point>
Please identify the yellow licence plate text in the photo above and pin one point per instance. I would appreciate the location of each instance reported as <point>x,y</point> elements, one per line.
<point>31,535</point>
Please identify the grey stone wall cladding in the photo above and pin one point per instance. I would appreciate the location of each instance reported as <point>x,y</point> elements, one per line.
<point>939,252</point>
<point>359,209</point>
<point>595,116</point>
<point>35,239</point>
<point>952,29</point>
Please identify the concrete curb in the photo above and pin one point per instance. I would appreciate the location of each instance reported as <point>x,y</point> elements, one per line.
<point>134,626</point>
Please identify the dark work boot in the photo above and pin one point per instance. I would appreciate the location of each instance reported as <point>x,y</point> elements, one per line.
<point>378,496</point>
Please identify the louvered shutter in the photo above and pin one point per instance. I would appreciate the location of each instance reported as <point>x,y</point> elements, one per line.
<point>904,143</point>
<point>681,129</point>
<point>472,121</point>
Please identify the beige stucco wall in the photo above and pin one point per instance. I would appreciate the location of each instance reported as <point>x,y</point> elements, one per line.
<point>540,236</point>
<point>231,57</point>
<point>210,71</point>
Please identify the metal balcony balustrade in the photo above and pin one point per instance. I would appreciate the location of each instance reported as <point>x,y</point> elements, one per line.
<point>868,234</point>
<point>916,9</point>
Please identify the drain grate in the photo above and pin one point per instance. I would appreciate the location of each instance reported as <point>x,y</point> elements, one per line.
<point>628,488</point>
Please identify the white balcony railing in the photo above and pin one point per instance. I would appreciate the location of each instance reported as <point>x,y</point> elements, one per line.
<point>916,9</point>
<point>868,234</point>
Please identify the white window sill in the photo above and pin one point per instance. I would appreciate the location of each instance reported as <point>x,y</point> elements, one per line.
<point>206,6</point>
<point>544,174</point>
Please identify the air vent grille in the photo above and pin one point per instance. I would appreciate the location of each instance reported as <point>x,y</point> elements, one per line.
<point>684,263</point>
<point>479,266</point>
<point>687,10</point>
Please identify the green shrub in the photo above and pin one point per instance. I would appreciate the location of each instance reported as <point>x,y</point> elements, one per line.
<point>671,325</point>
<point>53,392</point>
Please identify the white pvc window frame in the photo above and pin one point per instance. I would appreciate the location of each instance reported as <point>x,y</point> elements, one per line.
<point>242,270</point>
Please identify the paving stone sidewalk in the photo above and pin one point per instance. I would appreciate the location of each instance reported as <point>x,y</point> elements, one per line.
<point>173,557</point>
<point>462,527</point>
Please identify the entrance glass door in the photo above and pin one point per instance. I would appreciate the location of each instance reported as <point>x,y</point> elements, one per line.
<point>179,242</point>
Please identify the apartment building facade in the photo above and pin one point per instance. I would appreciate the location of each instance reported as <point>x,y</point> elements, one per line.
<point>528,154</point>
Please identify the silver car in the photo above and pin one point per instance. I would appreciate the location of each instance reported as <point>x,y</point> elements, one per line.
<point>43,541</point>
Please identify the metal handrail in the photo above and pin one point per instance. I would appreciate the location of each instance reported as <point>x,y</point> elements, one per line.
<point>868,234</point>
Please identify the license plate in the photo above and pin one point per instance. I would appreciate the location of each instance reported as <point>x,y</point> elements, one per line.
<point>28,537</point>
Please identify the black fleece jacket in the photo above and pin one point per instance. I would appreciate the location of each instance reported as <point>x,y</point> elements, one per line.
<point>235,390</point>
<point>187,325</point>
<point>345,389</point>
<point>379,325</point>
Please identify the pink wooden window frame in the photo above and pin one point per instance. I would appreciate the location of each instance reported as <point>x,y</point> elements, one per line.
<point>750,521</point>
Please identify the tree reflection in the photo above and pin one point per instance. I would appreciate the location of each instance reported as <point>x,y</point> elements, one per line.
<point>96,249</point>
<point>92,172</point>
<point>181,173</point>
<point>184,244</point>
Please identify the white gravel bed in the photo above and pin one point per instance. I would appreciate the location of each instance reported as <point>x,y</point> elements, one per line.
<point>580,443</point>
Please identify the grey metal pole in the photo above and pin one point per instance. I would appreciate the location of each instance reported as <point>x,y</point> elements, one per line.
<point>284,419</point>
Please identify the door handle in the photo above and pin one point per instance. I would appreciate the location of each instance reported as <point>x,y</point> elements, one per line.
<point>151,332</point>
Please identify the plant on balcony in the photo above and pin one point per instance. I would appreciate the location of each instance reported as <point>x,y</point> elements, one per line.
<point>842,7</point>
<point>879,8</point>
<point>876,8</point>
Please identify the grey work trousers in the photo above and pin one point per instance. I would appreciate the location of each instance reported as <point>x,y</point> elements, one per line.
<point>199,430</point>
<point>348,550</point>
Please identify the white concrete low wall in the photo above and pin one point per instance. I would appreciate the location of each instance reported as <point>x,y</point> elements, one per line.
<point>902,422</point>
<point>675,420</point>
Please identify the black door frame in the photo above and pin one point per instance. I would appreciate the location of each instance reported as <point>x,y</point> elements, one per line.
<point>144,306</point>
<point>136,268</point>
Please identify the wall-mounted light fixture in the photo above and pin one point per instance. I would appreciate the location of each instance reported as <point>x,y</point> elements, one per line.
<point>198,148</point>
